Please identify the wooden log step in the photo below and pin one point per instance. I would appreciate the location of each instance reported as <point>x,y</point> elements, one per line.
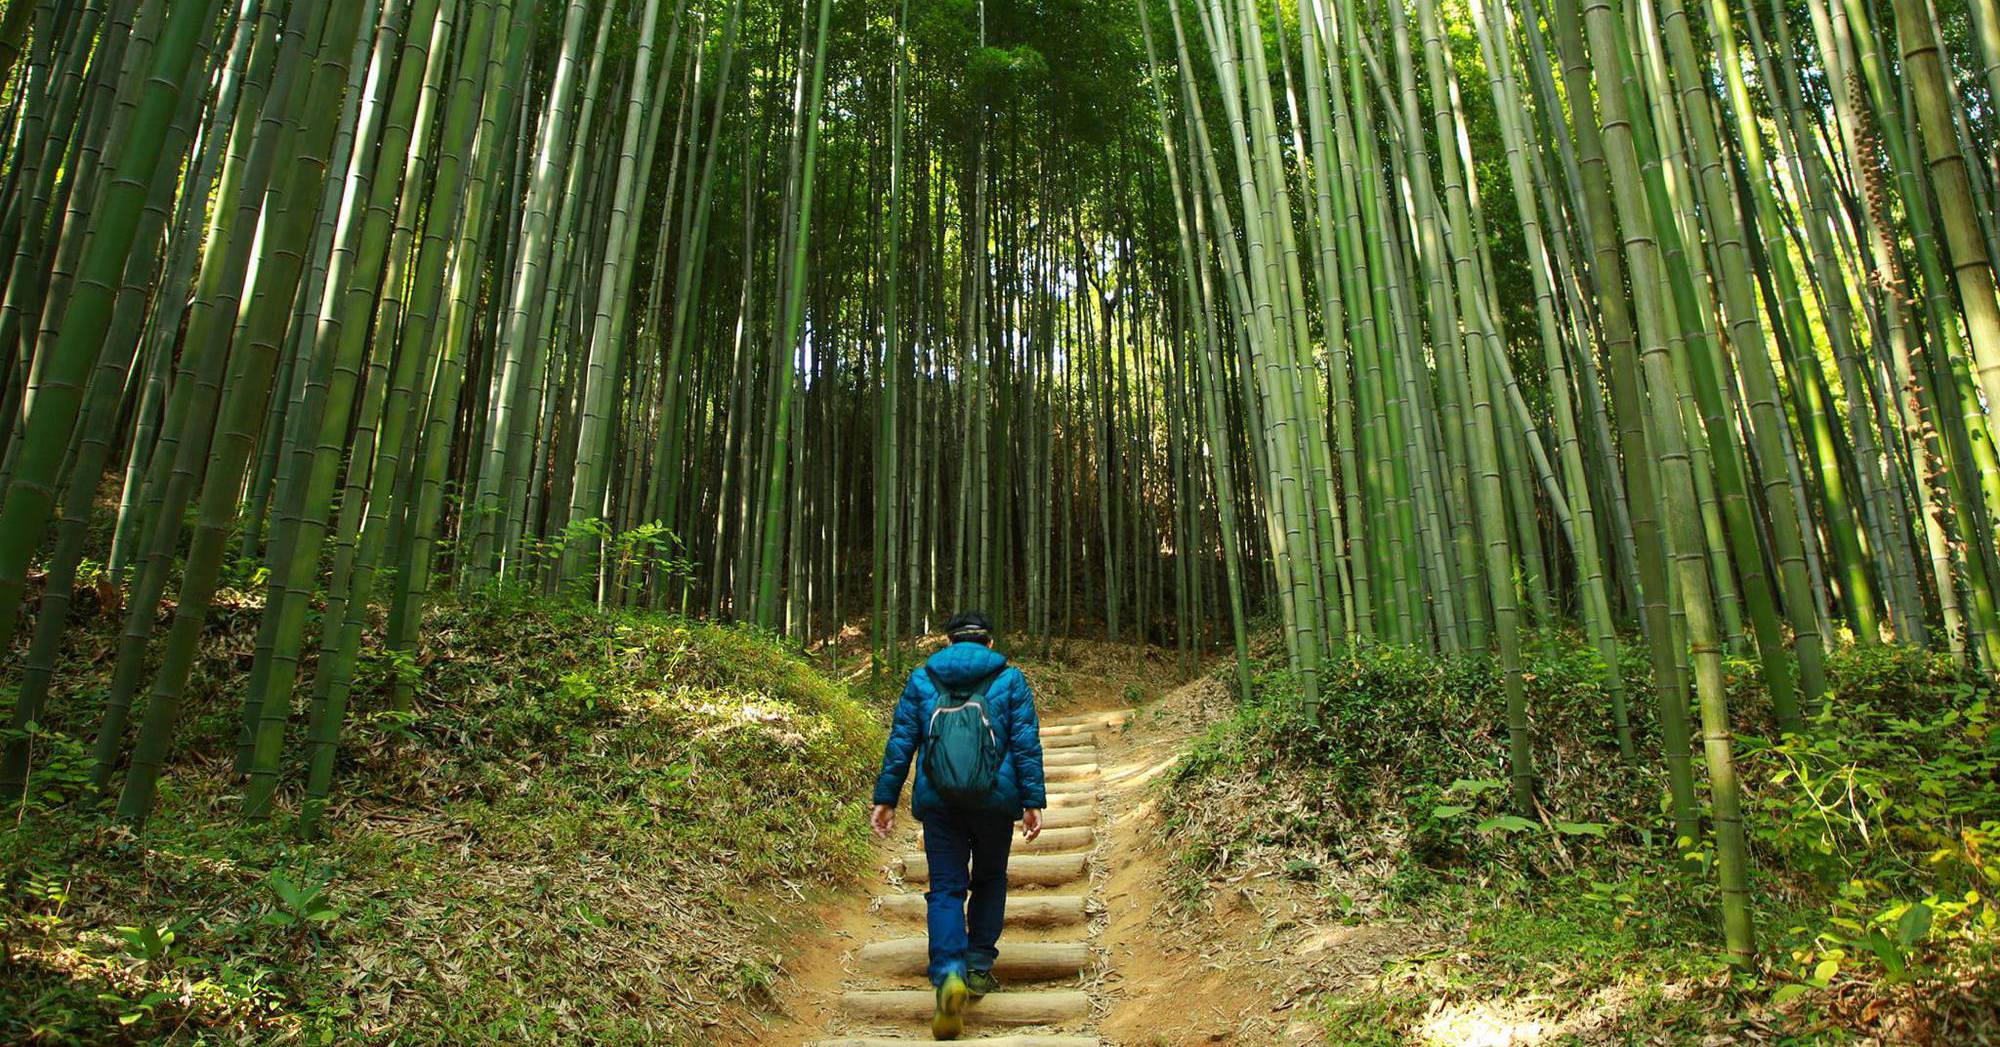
<point>1071,773</point>
<point>1019,961</point>
<point>1073,730</point>
<point>1023,910</point>
<point>1071,794</point>
<point>1105,718</point>
<point>1068,816</point>
<point>1069,740</point>
<point>982,1041</point>
<point>1083,787</point>
<point>1038,1007</point>
<point>1069,838</point>
<point>1071,756</point>
<point>1028,870</point>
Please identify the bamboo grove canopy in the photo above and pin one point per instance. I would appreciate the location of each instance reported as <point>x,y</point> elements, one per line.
<point>1415,323</point>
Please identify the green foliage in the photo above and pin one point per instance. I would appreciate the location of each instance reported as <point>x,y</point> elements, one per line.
<point>60,773</point>
<point>1887,812</point>
<point>998,72</point>
<point>1604,955</point>
<point>574,786</point>
<point>1872,835</point>
<point>1410,749</point>
<point>147,943</point>
<point>629,557</point>
<point>1067,67</point>
<point>295,906</point>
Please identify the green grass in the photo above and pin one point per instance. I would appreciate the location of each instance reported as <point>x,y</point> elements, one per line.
<point>1568,958</point>
<point>1871,842</point>
<point>600,827</point>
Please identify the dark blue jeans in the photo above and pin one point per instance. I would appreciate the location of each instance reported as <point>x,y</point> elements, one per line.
<point>967,854</point>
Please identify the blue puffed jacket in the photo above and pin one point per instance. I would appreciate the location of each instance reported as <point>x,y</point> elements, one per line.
<point>1011,708</point>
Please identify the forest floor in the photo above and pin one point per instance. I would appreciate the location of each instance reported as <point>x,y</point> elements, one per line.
<point>1326,883</point>
<point>1232,898</point>
<point>1157,974</point>
<point>631,828</point>
<point>597,828</point>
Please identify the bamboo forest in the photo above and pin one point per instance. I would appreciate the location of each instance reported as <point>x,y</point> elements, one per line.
<point>1507,489</point>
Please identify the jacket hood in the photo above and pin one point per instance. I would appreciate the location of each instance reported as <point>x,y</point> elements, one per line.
<point>1010,710</point>
<point>963,664</point>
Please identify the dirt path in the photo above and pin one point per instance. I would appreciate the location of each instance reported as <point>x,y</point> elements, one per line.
<point>1085,959</point>
<point>1181,979</point>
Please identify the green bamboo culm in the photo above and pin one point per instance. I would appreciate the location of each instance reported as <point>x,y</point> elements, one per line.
<point>779,462</point>
<point>49,416</point>
<point>1295,335</point>
<point>242,413</point>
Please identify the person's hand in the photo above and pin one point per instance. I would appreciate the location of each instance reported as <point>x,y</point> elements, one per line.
<point>882,818</point>
<point>1031,824</point>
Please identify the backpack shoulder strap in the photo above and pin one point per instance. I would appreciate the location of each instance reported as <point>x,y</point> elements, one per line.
<point>985,685</point>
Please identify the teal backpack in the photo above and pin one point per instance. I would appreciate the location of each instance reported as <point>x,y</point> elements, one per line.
<point>961,747</point>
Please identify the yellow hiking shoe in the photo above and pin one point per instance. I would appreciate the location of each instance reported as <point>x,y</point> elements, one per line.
<point>948,1021</point>
<point>981,982</point>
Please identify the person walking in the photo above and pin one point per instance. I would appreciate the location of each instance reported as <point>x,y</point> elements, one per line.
<point>967,721</point>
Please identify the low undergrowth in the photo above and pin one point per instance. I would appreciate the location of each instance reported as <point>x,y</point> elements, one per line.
<point>1065,674</point>
<point>595,828</point>
<point>1873,838</point>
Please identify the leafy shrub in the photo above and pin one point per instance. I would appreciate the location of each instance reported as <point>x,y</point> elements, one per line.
<point>1873,833</point>
<point>1408,751</point>
<point>1885,814</point>
<point>59,768</point>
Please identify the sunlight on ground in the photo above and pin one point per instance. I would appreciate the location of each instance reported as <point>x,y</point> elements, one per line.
<point>1480,1025</point>
<point>1137,773</point>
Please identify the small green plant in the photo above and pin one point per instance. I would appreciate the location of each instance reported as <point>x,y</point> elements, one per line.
<point>45,895</point>
<point>578,690</point>
<point>650,548</point>
<point>396,665</point>
<point>149,944</point>
<point>628,559</point>
<point>59,767</point>
<point>297,906</point>
<point>394,724</point>
<point>756,979</point>
<point>134,1011</point>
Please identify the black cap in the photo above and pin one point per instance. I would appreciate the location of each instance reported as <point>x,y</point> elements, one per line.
<point>969,627</point>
